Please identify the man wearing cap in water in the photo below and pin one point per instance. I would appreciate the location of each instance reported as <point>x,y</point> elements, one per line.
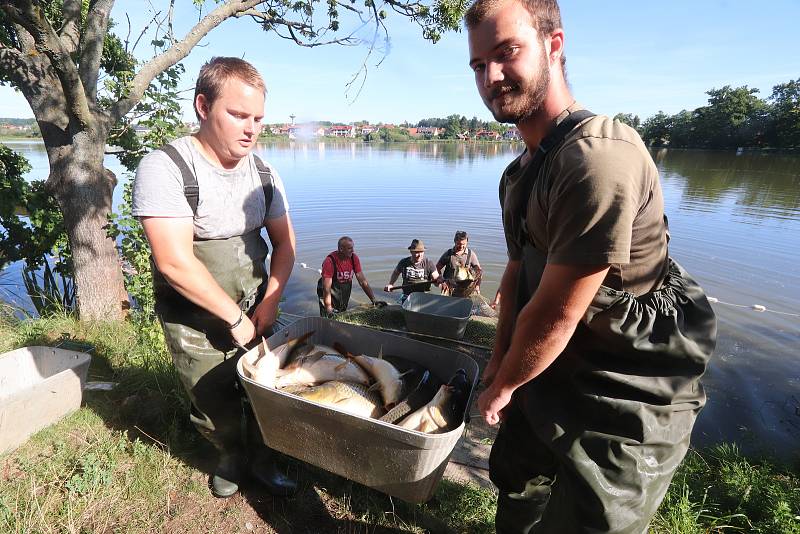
<point>417,271</point>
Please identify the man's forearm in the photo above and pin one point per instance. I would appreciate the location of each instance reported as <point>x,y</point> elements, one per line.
<point>193,281</point>
<point>367,290</point>
<point>540,335</point>
<point>546,323</point>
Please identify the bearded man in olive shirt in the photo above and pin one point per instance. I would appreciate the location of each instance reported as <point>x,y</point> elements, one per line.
<point>602,337</point>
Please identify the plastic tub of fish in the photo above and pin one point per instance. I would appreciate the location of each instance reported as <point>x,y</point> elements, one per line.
<point>38,386</point>
<point>403,463</point>
<point>437,315</point>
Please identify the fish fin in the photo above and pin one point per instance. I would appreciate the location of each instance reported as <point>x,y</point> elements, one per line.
<point>296,343</point>
<point>374,387</point>
<point>310,358</point>
<point>249,367</point>
<point>380,353</point>
<point>301,339</point>
<point>338,347</point>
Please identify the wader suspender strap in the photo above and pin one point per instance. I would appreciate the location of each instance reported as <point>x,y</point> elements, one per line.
<point>333,263</point>
<point>267,184</point>
<point>551,140</point>
<point>192,191</point>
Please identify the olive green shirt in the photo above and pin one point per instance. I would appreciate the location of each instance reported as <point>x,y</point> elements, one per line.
<point>596,200</point>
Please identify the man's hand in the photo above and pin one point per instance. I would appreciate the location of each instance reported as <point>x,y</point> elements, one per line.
<point>264,315</point>
<point>491,370</point>
<point>379,303</point>
<point>329,310</point>
<point>244,332</point>
<point>491,404</point>
<point>388,287</point>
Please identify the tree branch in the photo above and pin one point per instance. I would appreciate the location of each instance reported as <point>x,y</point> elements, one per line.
<point>16,66</point>
<point>293,26</point>
<point>70,32</point>
<point>92,45</point>
<point>32,18</point>
<point>173,55</point>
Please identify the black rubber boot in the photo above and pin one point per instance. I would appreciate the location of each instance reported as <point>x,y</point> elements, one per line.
<point>262,466</point>
<point>226,477</point>
<point>264,470</point>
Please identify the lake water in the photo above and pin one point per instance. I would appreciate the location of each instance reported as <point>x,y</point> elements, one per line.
<point>735,224</point>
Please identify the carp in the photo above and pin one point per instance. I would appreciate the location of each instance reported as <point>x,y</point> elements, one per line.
<point>388,379</point>
<point>463,274</point>
<point>346,396</point>
<point>285,352</point>
<point>262,368</point>
<point>319,367</point>
<point>431,417</point>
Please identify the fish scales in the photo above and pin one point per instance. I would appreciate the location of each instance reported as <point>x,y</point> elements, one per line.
<point>346,396</point>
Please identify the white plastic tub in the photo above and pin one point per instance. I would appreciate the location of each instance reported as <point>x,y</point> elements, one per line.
<point>38,386</point>
<point>403,463</point>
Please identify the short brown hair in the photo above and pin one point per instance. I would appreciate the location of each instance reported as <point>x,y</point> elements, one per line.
<point>546,15</point>
<point>219,70</point>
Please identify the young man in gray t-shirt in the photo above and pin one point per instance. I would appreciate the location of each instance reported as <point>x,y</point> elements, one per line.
<point>203,201</point>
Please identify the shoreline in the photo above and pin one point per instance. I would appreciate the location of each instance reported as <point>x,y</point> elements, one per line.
<point>282,139</point>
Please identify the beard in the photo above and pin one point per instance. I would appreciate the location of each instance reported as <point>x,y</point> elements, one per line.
<point>520,101</point>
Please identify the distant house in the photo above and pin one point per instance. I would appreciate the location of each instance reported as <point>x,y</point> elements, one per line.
<point>413,132</point>
<point>280,129</point>
<point>487,135</point>
<point>367,129</point>
<point>429,131</point>
<point>341,130</point>
<point>512,134</point>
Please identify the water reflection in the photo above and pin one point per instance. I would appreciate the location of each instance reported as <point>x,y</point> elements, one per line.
<point>448,151</point>
<point>762,185</point>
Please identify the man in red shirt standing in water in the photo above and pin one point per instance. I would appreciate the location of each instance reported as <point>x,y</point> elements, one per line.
<point>338,270</point>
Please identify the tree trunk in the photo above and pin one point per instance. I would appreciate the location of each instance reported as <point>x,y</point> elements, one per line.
<point>83,189</point>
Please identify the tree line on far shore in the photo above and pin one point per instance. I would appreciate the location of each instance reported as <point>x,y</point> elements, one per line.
<point>733,118</point>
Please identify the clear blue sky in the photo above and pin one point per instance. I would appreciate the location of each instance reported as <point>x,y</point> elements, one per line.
<point>622,56</point>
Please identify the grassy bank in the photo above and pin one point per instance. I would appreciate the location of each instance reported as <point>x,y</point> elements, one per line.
<point>128,461</point>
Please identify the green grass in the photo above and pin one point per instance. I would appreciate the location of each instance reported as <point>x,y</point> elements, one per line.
<point>720,490</point>
<point>127,462</point>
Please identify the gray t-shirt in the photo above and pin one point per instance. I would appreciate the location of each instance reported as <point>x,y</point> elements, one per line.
<point>230,203</point>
